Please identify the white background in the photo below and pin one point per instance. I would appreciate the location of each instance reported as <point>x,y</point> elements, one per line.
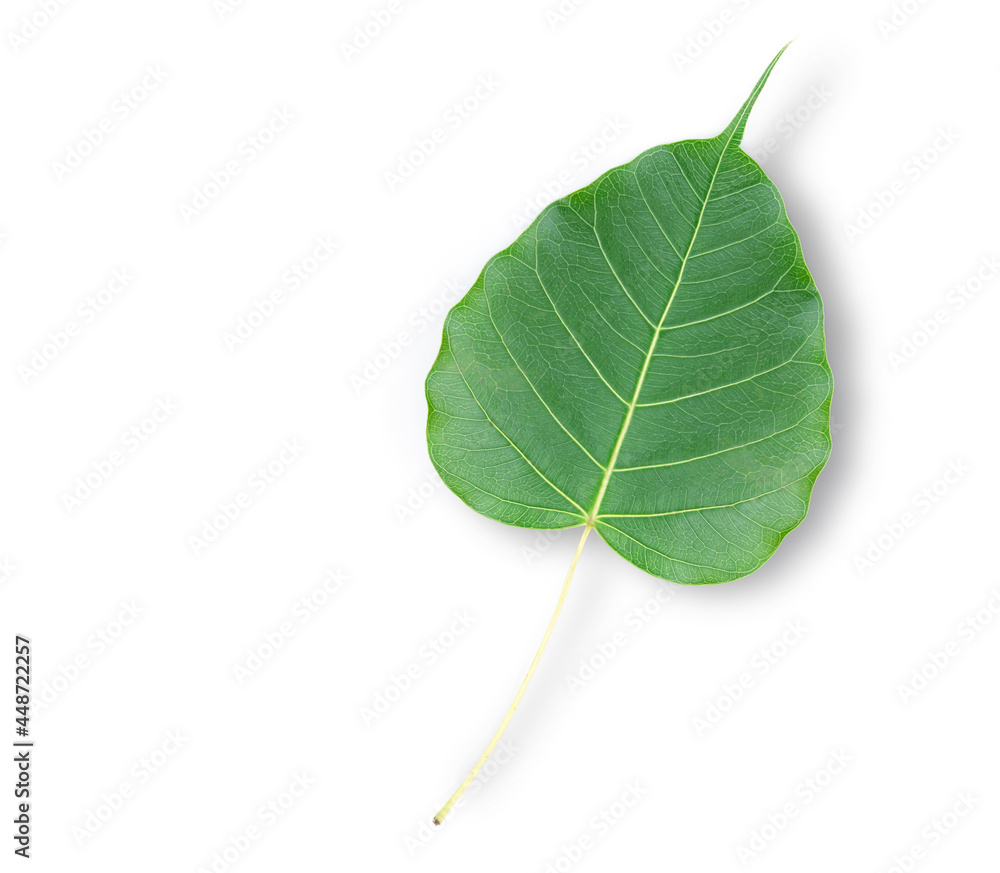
<point>611,78</point>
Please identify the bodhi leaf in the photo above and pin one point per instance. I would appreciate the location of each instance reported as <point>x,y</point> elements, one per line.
<point>648,356</point>
<point>646,360</point>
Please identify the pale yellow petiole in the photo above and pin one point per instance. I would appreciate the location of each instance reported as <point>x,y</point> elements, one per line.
<point>524,685</point>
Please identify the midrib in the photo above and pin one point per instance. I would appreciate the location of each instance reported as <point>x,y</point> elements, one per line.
<point>592,517</point>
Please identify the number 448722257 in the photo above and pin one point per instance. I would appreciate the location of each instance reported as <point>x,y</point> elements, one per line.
<point>22,683</point>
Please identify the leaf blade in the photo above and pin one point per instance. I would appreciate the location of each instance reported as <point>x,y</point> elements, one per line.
<point>651,352</point>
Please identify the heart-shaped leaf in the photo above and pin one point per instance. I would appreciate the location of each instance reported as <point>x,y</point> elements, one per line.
<point>647,360</point>
<point>648,357</point>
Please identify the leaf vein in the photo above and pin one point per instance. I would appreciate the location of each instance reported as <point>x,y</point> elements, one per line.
<point>514,445</point>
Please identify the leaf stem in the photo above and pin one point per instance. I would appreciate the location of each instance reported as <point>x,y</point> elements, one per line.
<point>439,818</point>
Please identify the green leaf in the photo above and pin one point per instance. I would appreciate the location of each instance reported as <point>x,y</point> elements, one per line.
<point>646,360</point>
<point>647,357</point>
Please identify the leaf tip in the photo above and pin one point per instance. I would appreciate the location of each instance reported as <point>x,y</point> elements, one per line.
<point>733,134</point>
